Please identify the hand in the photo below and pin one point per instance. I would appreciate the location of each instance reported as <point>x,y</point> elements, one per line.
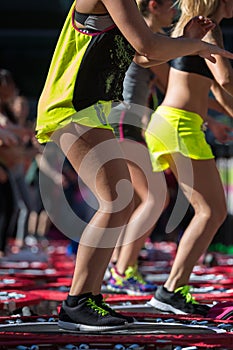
<point>209,50</point>
<point>198,27</point>
<point>222,132</point>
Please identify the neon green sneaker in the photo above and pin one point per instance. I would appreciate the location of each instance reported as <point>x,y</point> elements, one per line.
<point>131,283</point>
<point>179,302</point>
<point>87,315</point>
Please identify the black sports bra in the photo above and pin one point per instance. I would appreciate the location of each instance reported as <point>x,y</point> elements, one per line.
<point>192,64</point>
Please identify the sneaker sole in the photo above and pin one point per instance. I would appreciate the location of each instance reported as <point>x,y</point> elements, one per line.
<point>81,327</point>
<point>165,307</point>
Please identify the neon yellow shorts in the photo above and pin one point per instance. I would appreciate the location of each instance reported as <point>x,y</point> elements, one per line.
<point>173,130</point>
<point>95,116</point>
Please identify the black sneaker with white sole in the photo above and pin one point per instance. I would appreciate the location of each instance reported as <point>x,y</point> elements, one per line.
<point>178,302</point>
<point>88,316</point>
<point>100,301</point>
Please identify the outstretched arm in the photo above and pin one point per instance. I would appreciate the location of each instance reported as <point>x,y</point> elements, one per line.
<point>155,47</point>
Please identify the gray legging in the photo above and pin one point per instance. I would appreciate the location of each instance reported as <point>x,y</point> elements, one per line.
<point>22,202</point>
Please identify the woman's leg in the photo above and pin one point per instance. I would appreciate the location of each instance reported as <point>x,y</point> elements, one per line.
<point>6,208</point>
<point>204,190</point>
<point>96,156</point>
<point>151,193</point>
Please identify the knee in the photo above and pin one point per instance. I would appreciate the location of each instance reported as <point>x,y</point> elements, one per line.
<point>123,214</point>
<point>117,216</point>
<point>214,215</point>
<point>221,214</point>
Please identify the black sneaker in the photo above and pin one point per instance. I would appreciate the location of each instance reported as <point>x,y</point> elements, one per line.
<point>178,302</point>
<point>88,316</point>
<point>100,302</point>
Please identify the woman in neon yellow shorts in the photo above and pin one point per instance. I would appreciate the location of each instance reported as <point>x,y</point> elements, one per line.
<point>175,138</point>
<point>94,50</point>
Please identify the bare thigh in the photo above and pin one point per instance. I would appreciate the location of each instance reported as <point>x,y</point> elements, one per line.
<point>96,156</point>
<point>146,182</point>
<point>201,184</point>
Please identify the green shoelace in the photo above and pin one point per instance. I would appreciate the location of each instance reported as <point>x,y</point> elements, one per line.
<point>96,308</point>
<point>184,291</point>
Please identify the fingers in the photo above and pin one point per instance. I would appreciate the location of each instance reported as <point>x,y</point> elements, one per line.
<point>214,50</point>
<point>198,27</point>
<point>208,26</point>
<point>205,23</point>
<point>203,20</point>
<point>218,51</point>
<point>211,59</point>
<point>208,56</point>
<point>226,54</point>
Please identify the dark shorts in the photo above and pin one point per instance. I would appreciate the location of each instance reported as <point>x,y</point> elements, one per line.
<point>126,125</point>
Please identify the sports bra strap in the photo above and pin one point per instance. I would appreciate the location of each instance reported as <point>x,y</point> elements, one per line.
<point>80,17</point>
<point>97,22</point>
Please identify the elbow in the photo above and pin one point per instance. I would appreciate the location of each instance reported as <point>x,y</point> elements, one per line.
<point>145,51</point>
<point>226,84</point>
<point>146,47</point>
<point>154,47</point>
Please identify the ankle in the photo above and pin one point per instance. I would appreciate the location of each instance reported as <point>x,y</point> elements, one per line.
<point>73,300</point>
<point>119,272</point>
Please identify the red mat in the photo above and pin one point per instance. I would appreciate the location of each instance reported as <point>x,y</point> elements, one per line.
<point>14,299</point>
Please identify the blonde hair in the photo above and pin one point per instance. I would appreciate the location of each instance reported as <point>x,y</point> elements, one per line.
<point>192,8</point>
